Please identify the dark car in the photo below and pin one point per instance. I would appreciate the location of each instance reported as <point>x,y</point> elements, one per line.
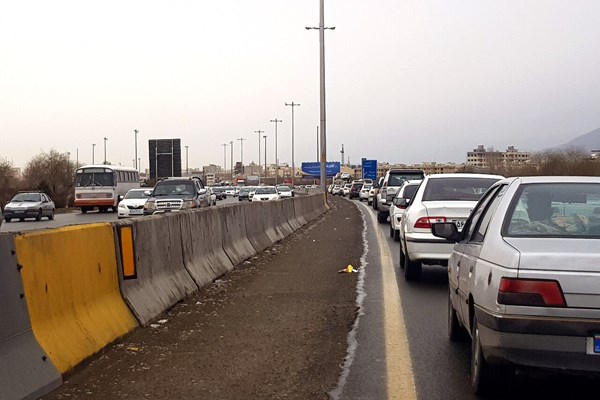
<point>177,193</point>
<point>244,193</point>
<point>220,192</point>
<point>355,189</point>
<point>29,205</point>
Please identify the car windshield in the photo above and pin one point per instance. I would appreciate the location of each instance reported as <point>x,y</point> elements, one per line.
<point>136,194</point>
<point>27,197</point>
<point>367,187</point>
<point>244,190</point>
<point>284,189</point>
<point>174,188</point>
<point>408,192</point>
<point>456,189</point>
<point>266,190</point>
<point>398,179</point>
<point>94,177</point>
<point>555,210</point>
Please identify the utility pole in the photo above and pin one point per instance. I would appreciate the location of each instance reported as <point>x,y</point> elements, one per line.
<point>135,131</point>
<point>231,161</point>
<point>317,144</point>
<point>292,104</point>
<point>276,121</point>
<point>265,137</point>
<point>321,29</point>
<point>224,157</point>
<point>242,153</point>
<point>187,170</point>
<point>93,153</point>
<point>105,140</point>
<point>259,132</point>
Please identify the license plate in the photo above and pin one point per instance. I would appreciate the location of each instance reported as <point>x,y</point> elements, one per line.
<point>19,212</point>
<point>459,224</point>
<point>597,343</point>
<point>136,212</point>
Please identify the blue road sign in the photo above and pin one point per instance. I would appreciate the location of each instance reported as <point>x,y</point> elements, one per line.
<point>369,169</point>
<point>314,168</point>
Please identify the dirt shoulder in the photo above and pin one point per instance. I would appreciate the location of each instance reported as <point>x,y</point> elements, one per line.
<point>273,328</point>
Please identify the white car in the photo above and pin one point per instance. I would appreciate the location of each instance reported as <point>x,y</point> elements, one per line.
<point>337,189</point>
<point>523,280</point>
<point>364,192</point>
<point>399,204</point>
<point>230,191</point>
<point>132,204</point>
<point>265,193</point>
<point>285,191</point>
<point>439,198</point>
<point>346,189</point>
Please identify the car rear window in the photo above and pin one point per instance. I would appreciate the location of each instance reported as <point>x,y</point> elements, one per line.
<point>397,179</point>
<point>555,210</point>
<point>457,189</point>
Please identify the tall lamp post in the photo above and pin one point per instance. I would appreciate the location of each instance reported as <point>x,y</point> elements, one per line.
<point>321,29</point>
<point>93,153</point>
<point>265,137</point>
<point>187,169</point>
<point>259,132</point>
<point>231,161</point>
<point>242,153</point>
<point>293,174</point>
<point>137,167</point>
<point>276,121</point>
<point>105,140</point>
<point>224,157</point>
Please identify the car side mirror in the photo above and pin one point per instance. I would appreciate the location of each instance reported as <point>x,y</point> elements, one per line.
<point>147,193</point>
<point>202,191</point>
<point>446,230</point>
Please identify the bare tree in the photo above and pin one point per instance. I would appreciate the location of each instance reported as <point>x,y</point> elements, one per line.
<point>8,182</point>
<point>51,172</point>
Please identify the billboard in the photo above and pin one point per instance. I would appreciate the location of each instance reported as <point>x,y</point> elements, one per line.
<point>165,158</point>
<point>314,168</point>
<point>369,169</point>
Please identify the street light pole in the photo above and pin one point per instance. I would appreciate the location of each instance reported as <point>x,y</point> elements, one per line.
<point>259,132</point>
<point>265,137</point>
<point>224,157</point>
<point>187,170</point>
<point>136,157</point>
<point>105,139</point>
<point>93,153</point>
<point>242,153</point>
<point>276,121</point>
<point>293,174</point>
<point>231,161</point>
<point>321,29</point>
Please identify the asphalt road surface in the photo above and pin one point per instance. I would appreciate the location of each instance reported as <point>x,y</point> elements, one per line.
<point>287,325</point>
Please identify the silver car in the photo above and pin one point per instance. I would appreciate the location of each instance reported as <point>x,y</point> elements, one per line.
<point>29,205</point>
<point>524,278</point>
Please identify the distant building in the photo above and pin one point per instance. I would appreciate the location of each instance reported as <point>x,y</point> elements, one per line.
<point>485,158</point>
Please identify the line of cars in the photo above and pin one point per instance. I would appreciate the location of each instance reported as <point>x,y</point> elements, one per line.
<point>523,262</point>
<point>262,193</point>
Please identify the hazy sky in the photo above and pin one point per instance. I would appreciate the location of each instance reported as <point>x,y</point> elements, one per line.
<point>407,80</point>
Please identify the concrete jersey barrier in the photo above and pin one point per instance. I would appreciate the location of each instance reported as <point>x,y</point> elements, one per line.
<point>202,236</point>
<point>160,278</point>
<point>71,286</point>
<point>25,370</point>
<point>256,229</point>
<point>235,239</point>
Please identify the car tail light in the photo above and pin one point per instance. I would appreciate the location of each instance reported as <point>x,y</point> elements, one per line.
<point>425,222</point>
<point>531,292</point>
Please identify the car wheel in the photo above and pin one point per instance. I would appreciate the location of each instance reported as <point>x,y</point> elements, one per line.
<point>369,202</point>
<point>485,378</point>
<point>412,269</point>
<point>21,219</point>
<point>456,332</point>
<point>396,235</point>
<point>7,219</point>
<point>84,210</point>
<point>402,257</point>
<point>51,216</point>
<point>391,231</point>
<point>382,217</point>
<point>39,215</point>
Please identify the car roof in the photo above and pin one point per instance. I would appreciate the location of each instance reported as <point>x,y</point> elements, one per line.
<point>463,175</point>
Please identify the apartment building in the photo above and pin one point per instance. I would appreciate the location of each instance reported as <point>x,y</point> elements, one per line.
<point>484,158</point>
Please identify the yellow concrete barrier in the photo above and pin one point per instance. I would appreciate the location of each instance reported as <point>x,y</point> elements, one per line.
<point>72,291</point>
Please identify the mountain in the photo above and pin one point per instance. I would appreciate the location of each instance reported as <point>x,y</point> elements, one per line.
<point>589,141</point>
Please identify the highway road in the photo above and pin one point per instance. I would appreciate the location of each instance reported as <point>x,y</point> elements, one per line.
<point>73,217</point>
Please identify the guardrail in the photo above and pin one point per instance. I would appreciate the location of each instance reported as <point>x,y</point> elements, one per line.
<point>68,292</point>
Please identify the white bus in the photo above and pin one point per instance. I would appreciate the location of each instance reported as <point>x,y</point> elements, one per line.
<point>103,186</point>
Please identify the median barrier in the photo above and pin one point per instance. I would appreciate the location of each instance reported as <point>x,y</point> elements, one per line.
<point>25,370</point>
<point>256,229</point>
<point>280,219</point>
<point>287,206</point>
<point>235,239</point>
<point>152,273</point>
<point>71,287</point>
<point>269,218</point>
<point>202,242</point>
